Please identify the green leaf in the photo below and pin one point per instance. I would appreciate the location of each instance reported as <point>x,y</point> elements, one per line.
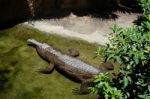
<point>147,97</point>
<point>126,82</point>
<point>97,80</point>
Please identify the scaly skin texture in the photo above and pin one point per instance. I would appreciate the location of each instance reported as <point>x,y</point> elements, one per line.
<point>68,65</point>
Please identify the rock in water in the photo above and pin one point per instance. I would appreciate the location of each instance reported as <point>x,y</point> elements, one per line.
<point>73,52</point>
<point>107,66</point>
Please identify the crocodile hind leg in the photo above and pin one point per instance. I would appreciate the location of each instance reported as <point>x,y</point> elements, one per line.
<point>46,70</point>
<point>83,88</point>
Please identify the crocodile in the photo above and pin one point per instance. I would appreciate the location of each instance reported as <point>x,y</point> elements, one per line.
<point>70,66</point>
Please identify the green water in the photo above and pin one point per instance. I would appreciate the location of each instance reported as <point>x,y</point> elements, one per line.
<point>23,80</point>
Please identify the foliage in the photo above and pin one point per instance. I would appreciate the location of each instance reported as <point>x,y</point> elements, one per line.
<point>130,48</point>
<point>145,4</point>
<point>103,88</point>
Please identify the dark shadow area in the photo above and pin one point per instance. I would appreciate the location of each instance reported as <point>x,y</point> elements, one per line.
<point>79,12</point>
<point>11,23</point>
<point>5,83</point>
<point>104,9</point>
<point>139,20</point>
<point>14,12</point>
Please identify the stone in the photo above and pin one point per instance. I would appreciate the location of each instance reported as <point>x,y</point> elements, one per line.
<point>73,52</point>
<point>107,65</point>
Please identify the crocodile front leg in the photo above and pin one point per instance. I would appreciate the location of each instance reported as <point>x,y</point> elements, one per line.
<point>46,70</point>
<point>83,88</point>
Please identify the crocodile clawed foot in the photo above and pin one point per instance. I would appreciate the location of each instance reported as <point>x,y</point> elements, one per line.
<point>76,91</point>
<point>44,70</point>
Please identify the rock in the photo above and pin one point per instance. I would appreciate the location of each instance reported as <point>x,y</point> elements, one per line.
<point>107,66</point>
<point>103,68</point>
<point>73,52</point>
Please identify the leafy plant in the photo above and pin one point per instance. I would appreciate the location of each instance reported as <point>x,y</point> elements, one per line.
<point>145,4</point>
<point>130,48</point>
<point>102,86</point>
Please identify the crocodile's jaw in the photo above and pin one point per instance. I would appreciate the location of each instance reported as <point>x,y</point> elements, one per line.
<point>32,42</point>
<point>35,43</point>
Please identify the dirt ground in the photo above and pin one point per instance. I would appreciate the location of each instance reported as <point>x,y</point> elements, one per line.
<point>87,28</point>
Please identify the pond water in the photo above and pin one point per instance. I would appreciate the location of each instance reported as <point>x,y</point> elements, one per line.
<point>26,83</point>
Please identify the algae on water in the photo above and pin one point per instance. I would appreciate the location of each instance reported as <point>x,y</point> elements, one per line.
<point>21,61</point>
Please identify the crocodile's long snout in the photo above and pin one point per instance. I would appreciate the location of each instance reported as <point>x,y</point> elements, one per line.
<point>33,42</point>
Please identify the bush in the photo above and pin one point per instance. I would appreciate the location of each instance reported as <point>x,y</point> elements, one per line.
<point>131,49</point>
<point>103,88</point>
